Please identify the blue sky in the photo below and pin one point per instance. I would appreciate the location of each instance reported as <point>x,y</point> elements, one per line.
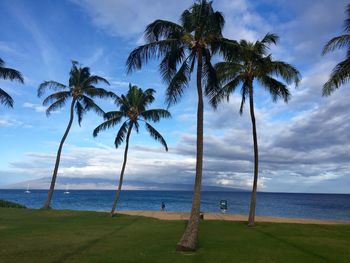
<point>304,145</point>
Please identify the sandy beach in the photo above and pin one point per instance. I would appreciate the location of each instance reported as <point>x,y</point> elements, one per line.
<point>230,217</point>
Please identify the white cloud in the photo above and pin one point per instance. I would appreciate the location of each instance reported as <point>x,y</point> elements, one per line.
<point>36,107</point>
<point>9,122</point>
<point>119,83</point>
<point>129,18</point>
<point>46,48</point>
<point>7,48</point>
<point>94,58</point>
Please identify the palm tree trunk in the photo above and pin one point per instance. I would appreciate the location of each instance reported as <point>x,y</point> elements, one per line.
<point>58,158</point>
<point>251,220</point>
<point>122,171</point>
<point>188,241</point>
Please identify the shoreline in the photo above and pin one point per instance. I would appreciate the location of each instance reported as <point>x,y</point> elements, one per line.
<point>230,217</point>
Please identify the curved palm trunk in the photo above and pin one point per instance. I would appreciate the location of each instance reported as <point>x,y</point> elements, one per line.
<point>251,220</point>
<point>58,158</point>
<point>122,171</point>
<point>188,241</point>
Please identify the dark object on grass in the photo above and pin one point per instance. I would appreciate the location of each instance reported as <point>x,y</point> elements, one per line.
<point>9,204</point>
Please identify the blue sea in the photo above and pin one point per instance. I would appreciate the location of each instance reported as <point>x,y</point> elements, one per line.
<point>317,206</point>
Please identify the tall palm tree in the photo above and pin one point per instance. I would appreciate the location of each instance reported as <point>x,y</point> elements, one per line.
<point>341,72</point>
<point>181,48</point>
<point>80,91</point>
<point>134,108</point>
<point>11,74</point>
<point>247,63</point>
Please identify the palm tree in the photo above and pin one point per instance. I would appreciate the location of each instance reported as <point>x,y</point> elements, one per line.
<point>247,63</point>
<point>11,74</point>
<point>341,72</point>
<point>80,91</point>
<point>132,107</point>
<point>181,48</point>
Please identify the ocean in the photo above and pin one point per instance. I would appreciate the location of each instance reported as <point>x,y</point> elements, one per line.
<point>316,206</point>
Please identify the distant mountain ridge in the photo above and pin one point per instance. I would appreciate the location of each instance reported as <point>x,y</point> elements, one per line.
<point>109,184</point>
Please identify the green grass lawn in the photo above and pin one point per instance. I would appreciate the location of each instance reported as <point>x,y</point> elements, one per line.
<point>71,236</point>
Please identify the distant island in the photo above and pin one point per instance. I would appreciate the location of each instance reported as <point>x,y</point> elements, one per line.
<point>76,183</point>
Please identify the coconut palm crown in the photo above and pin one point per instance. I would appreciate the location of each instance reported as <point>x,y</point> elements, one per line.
<point>248,63</point>
<point>182,49</point>
<point>341,72</point>
<point>10,74</point>
<point>80,91</point>
<point>132,110</point>
<point>180,46</point>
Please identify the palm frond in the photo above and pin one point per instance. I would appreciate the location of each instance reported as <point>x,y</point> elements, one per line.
<point>93,92</point>
<point>347,20</point>
<point>168,65</point>
<point>92,80</point>
<point>56,96</point>
<point>112,120</point>
<point>244,93</point>
<point>262,47</point>
<point>340,75</point>
<point>114,114</point>
<point>6,99</point>
<point>156,135</point>
<point>161,29</point>
<point>79,109</point>
<point>58,104</point>
<point>136,126</point>
<point>210,77</point>
<point>228,70</point>
<point>11,74</point>
<point>230,87</point>
<point>50,85</point>
<point>155,114</point>
<point>276,88</point>
<point>286,71</point>
<point>89,104</point>
<point>336,43</point>
<point>228,48</point>
<point>270,38</point>
<point>176,87</point>
<point>119,139</point>
<point>142,54</point>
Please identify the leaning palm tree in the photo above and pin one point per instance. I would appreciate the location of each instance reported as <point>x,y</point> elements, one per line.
<point>11,74</point>
<point>134,108</point>
<point>247,63</point>
<point>341,72</point>
<point>80,91</point>
<point>182,48</point>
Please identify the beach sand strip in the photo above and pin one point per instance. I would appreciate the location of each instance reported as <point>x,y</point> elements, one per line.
<point>230,217</point>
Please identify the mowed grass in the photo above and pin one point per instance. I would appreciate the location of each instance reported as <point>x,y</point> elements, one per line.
<point>73,236</point>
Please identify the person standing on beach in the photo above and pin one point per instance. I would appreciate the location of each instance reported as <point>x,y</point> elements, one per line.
<point>162,206</point>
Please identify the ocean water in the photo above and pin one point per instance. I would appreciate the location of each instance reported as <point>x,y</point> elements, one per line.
<point>317,206</point>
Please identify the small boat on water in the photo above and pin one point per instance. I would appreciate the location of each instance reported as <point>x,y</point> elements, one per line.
<point>27,191</point>
<point>67,191</point>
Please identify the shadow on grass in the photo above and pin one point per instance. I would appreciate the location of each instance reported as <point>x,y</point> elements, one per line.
<point>295,246</point>
<point>91,243</point>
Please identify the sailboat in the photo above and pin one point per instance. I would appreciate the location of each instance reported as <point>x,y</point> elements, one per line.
<point>67,191</point>
<point>27,191</point>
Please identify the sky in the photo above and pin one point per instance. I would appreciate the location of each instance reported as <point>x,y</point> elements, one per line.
<point>304,145</point>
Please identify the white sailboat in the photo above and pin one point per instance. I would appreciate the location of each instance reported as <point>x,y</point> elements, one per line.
<point>27,191</point>
<point>67,191</point>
